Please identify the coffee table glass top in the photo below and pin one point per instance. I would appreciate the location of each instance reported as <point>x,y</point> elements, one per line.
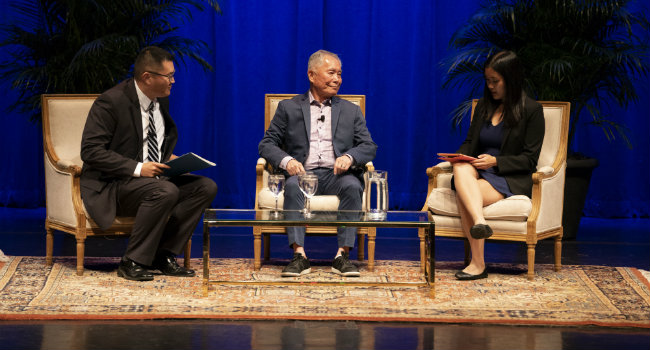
<point>235,217</point>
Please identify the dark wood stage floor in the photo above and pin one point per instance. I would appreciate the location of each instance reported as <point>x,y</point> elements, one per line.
<point>610,242</point>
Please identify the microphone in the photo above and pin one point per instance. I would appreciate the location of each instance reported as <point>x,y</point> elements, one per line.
<point>322,118</point>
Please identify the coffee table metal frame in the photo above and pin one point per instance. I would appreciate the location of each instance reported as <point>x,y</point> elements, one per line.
<point>395,219</point>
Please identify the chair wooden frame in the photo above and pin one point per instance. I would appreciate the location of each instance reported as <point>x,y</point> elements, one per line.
<point>539,178</point>
<point>68,175</point>
<point>262,166</point>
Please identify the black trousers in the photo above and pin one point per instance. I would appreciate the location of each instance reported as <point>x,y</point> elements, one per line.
<point>166,212</point>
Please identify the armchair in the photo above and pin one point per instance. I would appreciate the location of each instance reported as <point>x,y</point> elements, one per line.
<point>265,200</point>
<point>64,117</point>
<point>517,218</point>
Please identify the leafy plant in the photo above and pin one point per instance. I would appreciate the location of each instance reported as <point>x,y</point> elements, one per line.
<point>87,46</point>
<point>586,52</point>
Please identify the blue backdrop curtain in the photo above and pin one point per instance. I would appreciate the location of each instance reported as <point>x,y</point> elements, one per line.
<point>390,53</point>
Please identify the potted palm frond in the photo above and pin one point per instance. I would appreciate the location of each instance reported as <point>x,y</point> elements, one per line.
<point>586,52</point>
<point>80,46</point>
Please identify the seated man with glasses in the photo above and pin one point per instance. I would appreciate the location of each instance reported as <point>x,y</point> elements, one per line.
<point>128,136</point>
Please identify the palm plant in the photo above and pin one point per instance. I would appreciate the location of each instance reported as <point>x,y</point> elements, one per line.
<point>586,52</point>
<point>82,46</point>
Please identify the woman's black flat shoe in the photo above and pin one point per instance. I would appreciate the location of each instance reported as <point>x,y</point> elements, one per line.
<point>480,231</point>
<point>464,276</point>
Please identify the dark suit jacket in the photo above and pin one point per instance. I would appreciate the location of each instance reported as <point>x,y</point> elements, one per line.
<point>520,147</point>
<point>290,129</point>
<point>111,147</point>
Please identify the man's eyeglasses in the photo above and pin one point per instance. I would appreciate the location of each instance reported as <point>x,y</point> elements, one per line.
<point>169,76</point>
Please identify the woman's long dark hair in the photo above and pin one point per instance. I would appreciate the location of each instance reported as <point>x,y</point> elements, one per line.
<point>507,64</point>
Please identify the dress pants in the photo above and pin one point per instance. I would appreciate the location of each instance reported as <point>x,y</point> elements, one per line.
<point>345,186</point>
<point>166,212</point>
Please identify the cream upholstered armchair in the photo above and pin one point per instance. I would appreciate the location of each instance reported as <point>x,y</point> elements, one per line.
<point>517,218</point>
<point>64,117</point>
<point>264,199</point>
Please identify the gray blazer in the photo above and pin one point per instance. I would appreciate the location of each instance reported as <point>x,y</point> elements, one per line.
<point>288,134</point>
<point>111,147</point>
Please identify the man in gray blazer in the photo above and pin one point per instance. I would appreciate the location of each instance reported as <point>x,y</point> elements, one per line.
<point>322,133</point>
<point>128,136</point>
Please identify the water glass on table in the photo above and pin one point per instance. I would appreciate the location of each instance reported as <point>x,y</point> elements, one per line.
<point>308,183</point>
<point>276,185</point>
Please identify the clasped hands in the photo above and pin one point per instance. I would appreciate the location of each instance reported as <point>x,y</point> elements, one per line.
<point>484,161</point>
<point>341,165</point>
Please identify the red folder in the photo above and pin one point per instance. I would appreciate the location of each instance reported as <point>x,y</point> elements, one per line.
<point>455,157</point>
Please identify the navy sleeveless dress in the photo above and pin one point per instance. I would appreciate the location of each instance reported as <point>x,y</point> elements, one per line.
<point>490,142</point>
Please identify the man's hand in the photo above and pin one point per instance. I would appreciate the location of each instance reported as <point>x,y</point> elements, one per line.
<point>484,161</point>
<point>151,169</point>
<point>294,167</point>
<point>342,164</point>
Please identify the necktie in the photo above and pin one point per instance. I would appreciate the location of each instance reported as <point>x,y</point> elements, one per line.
<point>152,137</point>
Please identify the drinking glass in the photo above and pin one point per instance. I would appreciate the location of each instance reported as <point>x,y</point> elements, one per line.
<point>308,184</point>
<point>276,185</point>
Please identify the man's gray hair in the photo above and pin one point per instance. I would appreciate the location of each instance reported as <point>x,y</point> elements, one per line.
<point>316,59</point>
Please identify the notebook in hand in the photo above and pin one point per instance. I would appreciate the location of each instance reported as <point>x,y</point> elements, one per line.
<point>186,163</point>
<point>455,157</point>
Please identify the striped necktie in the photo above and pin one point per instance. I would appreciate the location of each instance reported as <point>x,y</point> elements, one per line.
<point>152,137</point>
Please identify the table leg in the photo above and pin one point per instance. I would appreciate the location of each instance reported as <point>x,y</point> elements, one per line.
<point>206,258</point>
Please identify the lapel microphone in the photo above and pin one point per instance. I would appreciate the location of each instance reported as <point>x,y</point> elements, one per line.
<point>322,118</point>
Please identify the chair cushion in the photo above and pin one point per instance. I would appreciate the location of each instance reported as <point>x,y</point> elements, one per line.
<point>265,200</point>
<point>442,201</point>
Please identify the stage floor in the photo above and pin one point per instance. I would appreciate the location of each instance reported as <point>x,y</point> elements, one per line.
<point>610,242</point>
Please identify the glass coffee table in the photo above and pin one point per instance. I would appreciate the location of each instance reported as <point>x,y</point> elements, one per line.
<point>255,218</point>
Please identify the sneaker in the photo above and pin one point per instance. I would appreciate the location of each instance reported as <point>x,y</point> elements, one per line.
<point>299,265</point>
<point>342,266</point>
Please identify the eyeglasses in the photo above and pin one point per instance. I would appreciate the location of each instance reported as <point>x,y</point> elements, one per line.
<point>169,76</point>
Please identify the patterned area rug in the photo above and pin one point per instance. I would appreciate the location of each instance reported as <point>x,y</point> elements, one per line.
<point>578,295</point>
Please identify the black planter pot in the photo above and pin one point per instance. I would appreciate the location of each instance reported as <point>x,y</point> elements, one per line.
<point>578,176</point>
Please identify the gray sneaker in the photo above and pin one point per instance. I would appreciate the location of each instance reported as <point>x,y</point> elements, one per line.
<point>342,266</point>
<point>299,265</point>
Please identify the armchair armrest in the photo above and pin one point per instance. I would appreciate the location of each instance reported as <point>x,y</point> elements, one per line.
<point>548,183</point>
<point>68,166</point>
<point>433,173</point>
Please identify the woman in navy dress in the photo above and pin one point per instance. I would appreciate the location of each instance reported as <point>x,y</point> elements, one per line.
<point>506,137</point>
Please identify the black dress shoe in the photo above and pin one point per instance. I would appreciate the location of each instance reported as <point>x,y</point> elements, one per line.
<point>480,231</point>
<point>464,276</point>
<point>133,271</point>
<point>167,264</point>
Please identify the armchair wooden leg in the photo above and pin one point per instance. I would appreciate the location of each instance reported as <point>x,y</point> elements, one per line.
<point>361,243</point>
<point>188,254</point>
<point>257,247</point>
<point>372,234</point>
<point>49,244</point>
<point>531,261</point>
<point>267,246</point>
<point>468,252</point>
<point>558,253</point>
<point>81,246</point>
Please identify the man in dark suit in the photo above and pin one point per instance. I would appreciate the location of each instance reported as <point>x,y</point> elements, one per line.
<point>322,133</point>
<point>128,136</point>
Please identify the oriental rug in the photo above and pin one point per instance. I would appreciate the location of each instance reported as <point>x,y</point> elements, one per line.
<point>577,295</point>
